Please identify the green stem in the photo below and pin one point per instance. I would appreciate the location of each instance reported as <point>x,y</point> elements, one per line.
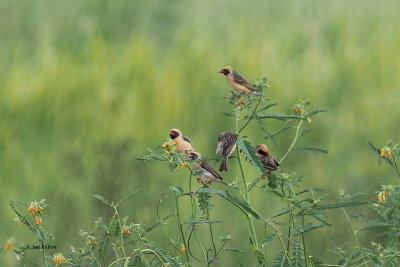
<point>252,116</point>
<point>283,247</point>
<point>294,141</point>
<point>247,197</point>
<point>120,232</point>
<point>353,232</point>
<point>395,164</point>
<point>178,217</point>
<point>26,257</point>
<point>44,254</point>
<point>303,238</point>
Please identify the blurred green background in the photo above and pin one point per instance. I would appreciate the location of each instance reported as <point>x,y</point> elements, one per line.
<point>85,86</point>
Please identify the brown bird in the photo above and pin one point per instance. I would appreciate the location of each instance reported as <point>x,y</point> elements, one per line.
<point>204,169</point>
<point>268,161</point>
<point>183,143</point>
<point>237,82</point>
<point>226,146</point>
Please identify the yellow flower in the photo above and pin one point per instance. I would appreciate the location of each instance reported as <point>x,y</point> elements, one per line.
<point>382,152</point>
<point>182,249</point>
<point>389,151</point>
<point>9,244</point>
<point>58,259</point>
<point>38,220</point>
<point>184,164</point>
<point>125,230</point>
<point>381,196</point>
<point>91,242</point>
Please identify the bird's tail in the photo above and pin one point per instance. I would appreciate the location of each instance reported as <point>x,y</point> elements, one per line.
<point>223,166</point>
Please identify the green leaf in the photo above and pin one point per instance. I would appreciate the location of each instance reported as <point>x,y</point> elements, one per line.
<point>158,224</point>
<point>129,196</point>
<point>373,224</point>
<point>101,198</point>
<point>103,246</point>
<point>241,204</point>
<point>163,254</point>
<point>21,210</point>
<point>253,183</point>
<point>308,227</point>
<point>260,257</point>
<point>280,116</point>
<point>320,218</point>
<point>339,205</point>
<point>268,106</point>
<point>315,262</point>
<point>203,221</point>
<point>268,239</point>
<point>233,250</point>
<point>311,149</point>
<point>280,260</point>
<point>279,212</point>
<point>177,189</point>
<point>315,111</point>
<point>250,155</point>
<point>229,114</point>
<point>41,235</point>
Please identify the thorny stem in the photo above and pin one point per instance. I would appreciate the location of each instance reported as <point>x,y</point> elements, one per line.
<point>354,235</point>
<point>294,141</point>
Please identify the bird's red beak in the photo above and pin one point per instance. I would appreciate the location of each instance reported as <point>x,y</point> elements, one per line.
<point>171,133</point>
<point>221,71</point>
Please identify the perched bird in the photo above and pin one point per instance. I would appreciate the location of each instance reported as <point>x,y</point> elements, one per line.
<point>268,161</point>
<point>237,82</point>
<point>183,143</point>
<point>226,146</point>
<point>204,169</point>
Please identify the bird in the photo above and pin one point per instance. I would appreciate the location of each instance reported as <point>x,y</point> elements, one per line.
<point>183,143</point>
<point>268,161</point>
<point>204,169</point>
<point>238,82</point>
<point>226,146</point>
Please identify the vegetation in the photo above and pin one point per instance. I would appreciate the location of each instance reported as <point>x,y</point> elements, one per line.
<point>87,87</point>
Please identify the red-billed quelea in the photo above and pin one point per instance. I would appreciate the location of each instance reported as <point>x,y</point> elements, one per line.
<point>183,143</point>
<point>204,169</point>
<point>268,161</point>
<point>237,82</point>
<point>226,146</point>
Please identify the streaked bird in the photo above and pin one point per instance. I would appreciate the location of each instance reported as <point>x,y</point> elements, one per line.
<point>268,161</point>
<point>204,169</point>
<point>237,82</point>
<point>183,143</point>
<point>226,146</point>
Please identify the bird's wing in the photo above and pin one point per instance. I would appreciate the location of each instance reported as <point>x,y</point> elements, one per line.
<point>270,163</point>
<point>206,166</point>
<point>242,81</point>
<point>187,139</point>
<point>229,142</point>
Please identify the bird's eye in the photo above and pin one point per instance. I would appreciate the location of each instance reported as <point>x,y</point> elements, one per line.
<point>261,152</point>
